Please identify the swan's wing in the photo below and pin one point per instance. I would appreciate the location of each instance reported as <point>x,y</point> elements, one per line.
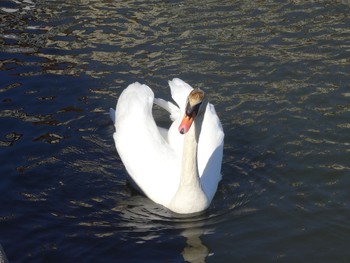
<point>210,151</point>
<point>147,157</point>
<point>169,107</point>
<point>179,92</point>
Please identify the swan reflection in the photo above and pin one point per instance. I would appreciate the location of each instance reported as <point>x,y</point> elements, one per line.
<point>153,223</point>
<point>195,251</point>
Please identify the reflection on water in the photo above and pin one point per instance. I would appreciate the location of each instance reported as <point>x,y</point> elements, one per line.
<point>278,75</point>
<point>195,251</point>
<point>146,218</point>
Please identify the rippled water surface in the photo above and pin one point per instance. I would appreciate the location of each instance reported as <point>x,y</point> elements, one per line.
<point>278,75</point>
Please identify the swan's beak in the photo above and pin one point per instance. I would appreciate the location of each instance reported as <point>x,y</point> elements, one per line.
<point>186,123</point>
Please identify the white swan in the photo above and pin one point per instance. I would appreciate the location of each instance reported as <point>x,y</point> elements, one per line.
<point>180,172</point>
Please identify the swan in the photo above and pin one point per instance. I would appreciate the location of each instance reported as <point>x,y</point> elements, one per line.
<point>180,167</point>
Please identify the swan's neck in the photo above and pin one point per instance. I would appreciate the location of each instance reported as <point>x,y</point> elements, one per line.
<point>190,197</point>
<point>189,169</point>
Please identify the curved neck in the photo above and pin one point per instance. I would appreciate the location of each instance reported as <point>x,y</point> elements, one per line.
<point>190,197</point>
<point>189,168</point>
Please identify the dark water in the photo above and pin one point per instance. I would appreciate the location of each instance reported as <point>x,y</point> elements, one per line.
<point>278,74</point>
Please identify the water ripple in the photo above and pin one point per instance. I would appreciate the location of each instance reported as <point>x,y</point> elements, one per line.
<point>277,74</point>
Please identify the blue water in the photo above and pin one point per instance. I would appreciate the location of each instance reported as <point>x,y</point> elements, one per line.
<point>278,75</point>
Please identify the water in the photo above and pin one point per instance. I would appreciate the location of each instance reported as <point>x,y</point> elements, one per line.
<point>278,74</point>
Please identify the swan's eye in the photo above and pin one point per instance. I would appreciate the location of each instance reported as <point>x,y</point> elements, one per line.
<point>190,110</point>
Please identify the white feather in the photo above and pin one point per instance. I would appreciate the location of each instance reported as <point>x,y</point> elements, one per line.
<point>153,156</point>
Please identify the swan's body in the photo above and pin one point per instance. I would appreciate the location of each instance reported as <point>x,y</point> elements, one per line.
<point>180,172</point>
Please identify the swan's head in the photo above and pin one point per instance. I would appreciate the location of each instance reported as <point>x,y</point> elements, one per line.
<point>194,106</point>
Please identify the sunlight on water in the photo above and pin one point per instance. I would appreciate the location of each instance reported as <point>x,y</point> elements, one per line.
<point>278,76</point>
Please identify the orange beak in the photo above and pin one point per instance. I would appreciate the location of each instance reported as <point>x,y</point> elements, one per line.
<point>186,123</point>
